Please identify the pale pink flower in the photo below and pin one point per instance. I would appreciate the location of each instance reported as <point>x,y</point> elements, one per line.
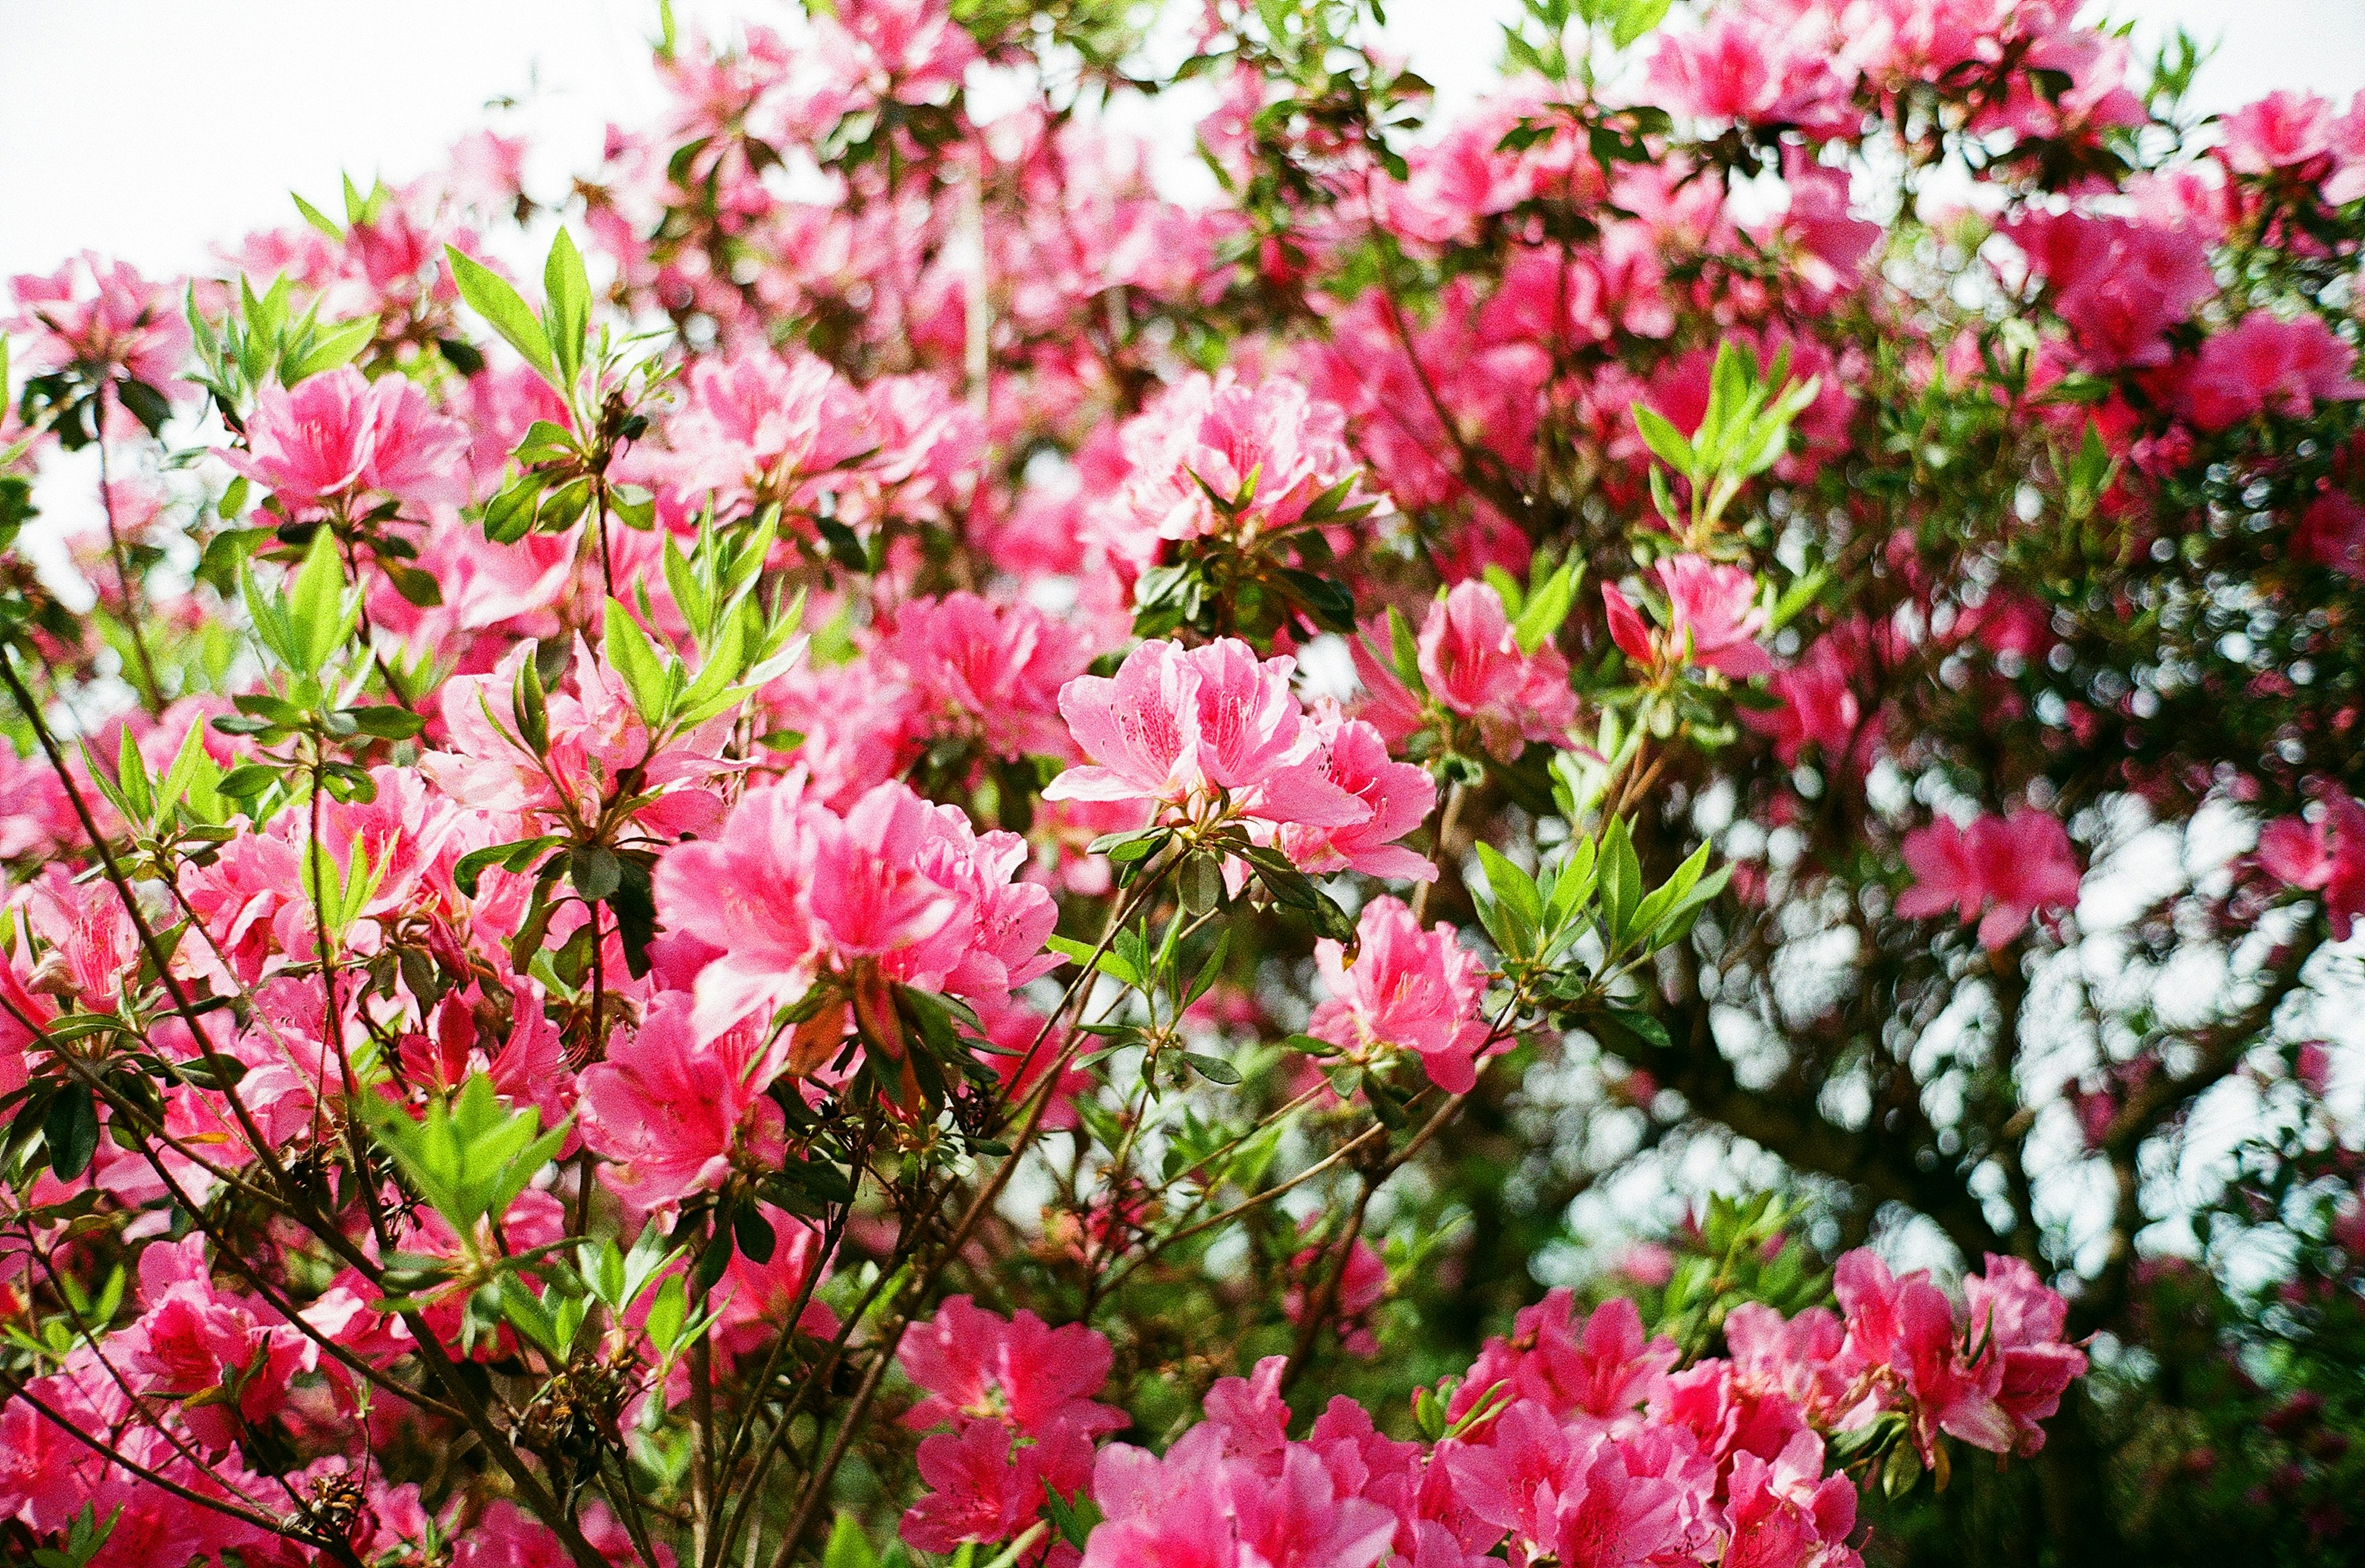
<point>101,316</point>
<point>2280,130</point>
<point>337,436</point>
<point>1405,988</point>
<point>995,669</point>
<point>1714,617</point>
<point>755,428</point>
<point>1268,444</point>
<point>1210,731</point>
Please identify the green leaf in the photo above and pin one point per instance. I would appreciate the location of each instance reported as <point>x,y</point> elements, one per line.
<point>490,295</point>
<point>848,1546</point>
<point>1215,1069</point>
<point>568,307</point>
<point>318,219</point>
<point>72,1131</point>
<point>1547,608</point>
<point>1670,445</point>
<point>633,658</point>
<point>1109,963</point>
<point>320,617</point>
<point>332,348</point>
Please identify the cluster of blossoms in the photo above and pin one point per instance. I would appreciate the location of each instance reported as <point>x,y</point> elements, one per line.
<point>1577,1438</point>
<point>921,724</point>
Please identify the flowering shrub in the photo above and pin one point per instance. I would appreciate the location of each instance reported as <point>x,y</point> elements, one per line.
<point>931,854</point>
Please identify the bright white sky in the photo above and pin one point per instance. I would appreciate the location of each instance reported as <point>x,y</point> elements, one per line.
<point>150,128</point>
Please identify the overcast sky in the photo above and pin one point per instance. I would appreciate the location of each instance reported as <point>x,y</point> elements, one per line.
<point>150,128</point>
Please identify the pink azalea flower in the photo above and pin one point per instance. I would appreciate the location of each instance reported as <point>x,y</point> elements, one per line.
<point>743,893</point>
<point>100,315</point>
<point>2010,867</point>
<point>339,435</point>
<point>1400,795</point>
<point>2331,533</point>
<point>674,1112</point>
<point>995,669</point>
<point>1211,732</point>
<point>2264,365</point>
<point>1220,435</point>
<point>1602,1365</point>
<point>2280,130</point>
<point>596,745</point>
<point>2022,1320</point>
<point>1713,613</point>
<point>93,945</point>
<point>1818,705</point>
<point>2325,856</point>
<point>1473,665</point>
<point>1201,1507</point>
<point>756,427</point>
<point>1407,989</point>
<point>194,1340</point>
<point>978,1366</point>
<point>2119,283</point>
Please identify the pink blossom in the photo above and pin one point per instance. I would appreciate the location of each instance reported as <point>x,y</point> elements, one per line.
<point>674,1112</point>
<point>2263,364</point>
<point>1602,1365</point>
<point>2282,130</point>
<point>993,668</point>
<point>1471,664</point>
<point>755,428</point>
<point>2324,856</point>
<point>1269,447</point>
<point>1202,1507</point>
<point>2120,283</point>
<point>1400,795</point>
<point>1212,732</point>
<point>93,948</point>
<point>2010,867</point>
<point>1405,988</point>
<point>194,1340</point>
<point>1363,1285</point>
<point>101,316</point>
<point>2022,1319</point>
<point>1818,705</point>
<point>977,1365</point>
<point>1714,614</point>
<point>339,435</point>
<point>1713,619</point>
<point>2331,533</point>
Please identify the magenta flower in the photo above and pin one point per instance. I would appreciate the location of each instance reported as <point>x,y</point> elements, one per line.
<point>2325,856</point>
<point>978,1366</point>
<point>2263,365</point>
<point>1407,989</point>
<point>1713,620</point>
<point>2000,872</point>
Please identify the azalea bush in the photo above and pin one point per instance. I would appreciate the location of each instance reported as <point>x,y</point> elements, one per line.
<point>894,838</point>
